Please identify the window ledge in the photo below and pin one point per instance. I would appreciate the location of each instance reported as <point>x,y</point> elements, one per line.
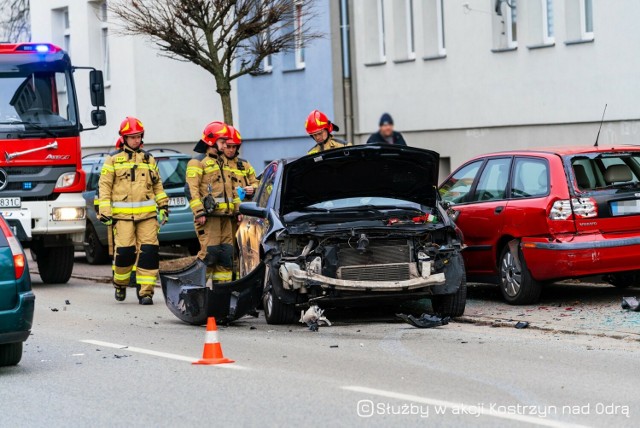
<point>261,72</point>
<point>500,50</point>
<point>107,84</point>
<point>433,57</point>
<point>578,41</point>
<point>375,64</point>
<point>293,70</point>
<point>541,46</point>
<point>404,60</point>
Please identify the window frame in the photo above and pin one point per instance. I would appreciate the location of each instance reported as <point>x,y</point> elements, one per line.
<point>584,34</point>
<point>513,173</point>
<point>297,28</point>
<point>104,42</point>
<point>546,37</point>
<point>381,32</point>
<point>442,48</point>
<point>507,193</point>
<point>273,166</point>
<point>509,23</point>
<point>411,31</point>
<point>482,162</point>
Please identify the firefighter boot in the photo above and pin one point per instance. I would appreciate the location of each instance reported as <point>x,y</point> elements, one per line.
<point>121,293</point>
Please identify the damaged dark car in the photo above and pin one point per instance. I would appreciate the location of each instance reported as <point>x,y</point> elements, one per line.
<point>351,227</point>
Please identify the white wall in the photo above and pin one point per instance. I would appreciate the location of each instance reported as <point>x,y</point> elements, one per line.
<point>475,100</point>
<point>174,99</point>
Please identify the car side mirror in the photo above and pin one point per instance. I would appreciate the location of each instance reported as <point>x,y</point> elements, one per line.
<point>99,117</point>
<point>252,209</point>
<point>96,88</point>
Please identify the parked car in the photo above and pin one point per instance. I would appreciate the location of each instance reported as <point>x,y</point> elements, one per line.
<point>349,227</point>
<point>16,298</point>
<point>536,216</point>
<point>178,231</point>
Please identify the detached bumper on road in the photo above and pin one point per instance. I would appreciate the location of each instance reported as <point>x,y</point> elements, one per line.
<point>582,255</point>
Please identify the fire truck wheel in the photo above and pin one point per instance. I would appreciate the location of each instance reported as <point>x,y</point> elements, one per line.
<point>55,264</point>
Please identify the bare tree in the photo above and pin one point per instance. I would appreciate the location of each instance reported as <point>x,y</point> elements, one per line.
<point>228,38</point>
<point>15,23</point>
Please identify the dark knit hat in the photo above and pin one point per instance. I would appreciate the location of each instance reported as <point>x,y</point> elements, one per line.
<point>386,119</point>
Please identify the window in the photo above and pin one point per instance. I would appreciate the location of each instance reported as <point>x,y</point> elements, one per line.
<point>579,21</point>
<point>492,185</point>
<point>586,19</point>
<point>530,178</point>
<point>404,40</point>
<point>298,28</point>
<point>67,31</point>
<point>267,62</point>
<point>373,14</point>
<point>547,21</point>
<point>266,185</point>
<point>433,28</point>
<point>505,28</point>
<point>459,185</point>
<point>104,40</point>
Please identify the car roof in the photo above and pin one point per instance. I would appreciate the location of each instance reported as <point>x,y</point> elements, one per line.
<point>566,150</point>
<point>93,158</point>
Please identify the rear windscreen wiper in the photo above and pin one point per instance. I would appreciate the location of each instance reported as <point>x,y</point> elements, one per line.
<point>35,125</point>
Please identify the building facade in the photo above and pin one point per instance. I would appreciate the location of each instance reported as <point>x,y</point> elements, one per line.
<point>466,77</point>
<point>174,99</point>
<point>273,105</point>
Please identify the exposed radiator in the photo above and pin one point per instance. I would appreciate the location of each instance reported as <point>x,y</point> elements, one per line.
<point>377,253</point>
<point>382,272</point>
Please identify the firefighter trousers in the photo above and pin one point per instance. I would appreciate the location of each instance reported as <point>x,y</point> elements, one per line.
<point>136,240</point>
<point>216,247</point>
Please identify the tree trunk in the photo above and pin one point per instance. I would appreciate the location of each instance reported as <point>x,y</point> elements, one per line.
<point>224,89</point>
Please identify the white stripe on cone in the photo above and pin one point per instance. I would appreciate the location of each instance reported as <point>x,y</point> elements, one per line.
<point>211,337</point>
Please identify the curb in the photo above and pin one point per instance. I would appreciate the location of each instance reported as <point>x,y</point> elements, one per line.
<point>493,322</point>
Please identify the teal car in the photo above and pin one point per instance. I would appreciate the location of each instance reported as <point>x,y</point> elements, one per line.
<point>179,231</point>
<point>16,298</point>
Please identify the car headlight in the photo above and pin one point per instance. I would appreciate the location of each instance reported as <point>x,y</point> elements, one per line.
<point>65,180</point>
<point>68,213</point>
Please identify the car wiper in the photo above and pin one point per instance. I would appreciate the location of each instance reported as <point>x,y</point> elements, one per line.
<point>35,125</point>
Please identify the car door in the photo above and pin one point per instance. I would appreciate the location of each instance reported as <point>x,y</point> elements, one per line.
<point>252,229</point>
<point>480,213</point>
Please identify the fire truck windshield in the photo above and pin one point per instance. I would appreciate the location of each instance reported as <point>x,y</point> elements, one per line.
<point>34,100</point>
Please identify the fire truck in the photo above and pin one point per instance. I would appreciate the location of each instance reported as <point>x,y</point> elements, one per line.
<point>41,176</point>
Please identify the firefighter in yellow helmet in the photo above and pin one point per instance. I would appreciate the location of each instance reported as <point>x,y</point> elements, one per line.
<point>133,200</point>
<point>320,128</point>
<point>214,201</point>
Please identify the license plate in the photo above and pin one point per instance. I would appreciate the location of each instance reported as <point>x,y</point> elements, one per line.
<point>10,202</point>
<point>625,207</point>
<point>178,202</point>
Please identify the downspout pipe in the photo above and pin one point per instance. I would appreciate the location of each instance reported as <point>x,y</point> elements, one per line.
<point>347,91</point>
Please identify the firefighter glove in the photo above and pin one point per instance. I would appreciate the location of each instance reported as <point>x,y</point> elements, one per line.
<point>163,215</point>
<point>107,221</point>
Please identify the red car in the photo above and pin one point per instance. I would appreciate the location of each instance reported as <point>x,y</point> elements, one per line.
<point>535,216</point>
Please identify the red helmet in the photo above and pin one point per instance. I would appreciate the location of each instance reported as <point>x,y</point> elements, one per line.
<point>317,121</point>
<point>130,126</point>
<point>215,131</point>
<point>236,139</point>
<point>119,142</point>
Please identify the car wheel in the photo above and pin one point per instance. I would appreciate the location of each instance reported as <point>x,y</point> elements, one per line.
<point>10,354</point>
<point>451,305</point>
<point>96,253</point>
<point>55,264</point>
<point>517,285</point>
<point>622,279</point>
<point>276,312</point>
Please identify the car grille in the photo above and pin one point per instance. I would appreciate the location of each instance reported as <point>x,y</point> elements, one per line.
<point>381,272</point>
<point>377,253</point>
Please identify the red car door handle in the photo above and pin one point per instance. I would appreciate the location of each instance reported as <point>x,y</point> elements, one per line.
<point>498,210</point>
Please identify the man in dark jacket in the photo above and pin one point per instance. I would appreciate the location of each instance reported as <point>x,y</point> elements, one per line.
<point>386,134</point>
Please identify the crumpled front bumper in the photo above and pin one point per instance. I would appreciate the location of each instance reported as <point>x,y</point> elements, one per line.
<point>343,284</point>
<point>191,301</point>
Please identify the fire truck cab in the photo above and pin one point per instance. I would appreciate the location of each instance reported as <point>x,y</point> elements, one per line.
<point>41,176</point>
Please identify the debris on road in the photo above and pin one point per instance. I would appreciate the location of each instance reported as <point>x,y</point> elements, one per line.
<point>67,302</point>
<point>425,320</point>
<point>54,309</point>
<point>314,318</point>
<point>522,324</point>
<point>333,346</point>
<point>631,303</point>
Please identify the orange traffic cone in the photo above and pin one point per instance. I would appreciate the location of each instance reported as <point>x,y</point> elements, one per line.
<point>212,353</point>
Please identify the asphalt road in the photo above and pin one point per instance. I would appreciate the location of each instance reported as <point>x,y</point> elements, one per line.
<point>96,362</point>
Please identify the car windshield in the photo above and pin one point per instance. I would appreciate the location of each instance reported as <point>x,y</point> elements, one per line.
<point>173,172</point>
<point>368,201</point>
<point>606,171</point>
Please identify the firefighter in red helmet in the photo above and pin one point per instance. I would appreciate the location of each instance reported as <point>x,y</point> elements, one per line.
<point>320,128</point>
<point>214,201</point>
<point>133,200</point>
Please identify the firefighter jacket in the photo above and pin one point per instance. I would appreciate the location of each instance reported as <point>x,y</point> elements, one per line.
<point>242,174</point>
<point>331,144</point>
<point>130,186</point>
<point>206,176</point>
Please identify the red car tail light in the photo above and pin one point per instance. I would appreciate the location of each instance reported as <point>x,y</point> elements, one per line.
<point>561,210</point>
<point>19,262</point>
<point>584,207</point>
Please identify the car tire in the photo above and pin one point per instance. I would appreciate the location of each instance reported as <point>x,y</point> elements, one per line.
<point>10,354</point>
<point>451,305</point>
<point>96,253</point>
<point>622,279</point>
<point>517,285</point>
<point>55,264</point>
<point>277,312</point>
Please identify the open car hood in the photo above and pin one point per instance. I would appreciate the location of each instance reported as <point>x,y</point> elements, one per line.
<point>405,173</point>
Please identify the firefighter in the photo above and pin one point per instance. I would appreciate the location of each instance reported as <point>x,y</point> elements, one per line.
<point>243,174</point>
<point>96,198</point>
<point>319,127</point>
<point>213,201</point>
<point>133,200</point>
